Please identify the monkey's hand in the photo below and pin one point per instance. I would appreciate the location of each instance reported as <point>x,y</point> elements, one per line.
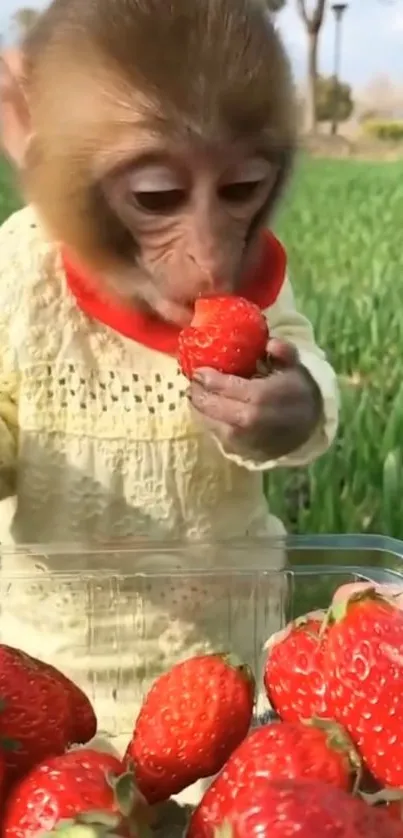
<point>271,416</point>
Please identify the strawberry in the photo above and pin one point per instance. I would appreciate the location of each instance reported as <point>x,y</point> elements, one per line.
<point>82,714</point>
<point>283,750</point>
<point>2,779</point>
<point>3,766</point>
<point>81,787</point>
<point>34,712</point>
<point>192,719</point>
<point>364,674</point>
<point>293,677</point>
<point>284,808</point>
<point>228,334</point>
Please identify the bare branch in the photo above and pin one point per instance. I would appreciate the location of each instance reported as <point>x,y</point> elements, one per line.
<point>318,14</point>
<point>303,12</point>
<point>313,21</point>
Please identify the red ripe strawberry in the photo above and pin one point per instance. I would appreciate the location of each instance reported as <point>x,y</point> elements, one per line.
<point>192,719</point>
<point>228,334</point>
<point>364,674</point>
<point>2,781</point>
<point>293,677</point>
<point>82,714</point>
<point>34,712</point>
<point>80,787</point>
<point>282,750</point>
<point>307,809</point>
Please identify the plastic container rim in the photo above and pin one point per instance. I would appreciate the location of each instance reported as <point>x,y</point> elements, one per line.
<point>336,542</point>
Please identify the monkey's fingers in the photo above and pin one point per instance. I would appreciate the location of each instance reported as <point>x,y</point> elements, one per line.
<point>281,353</point>
<point>232,387</point>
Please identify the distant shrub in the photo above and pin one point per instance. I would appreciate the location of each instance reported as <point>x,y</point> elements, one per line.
<point>386,131</point>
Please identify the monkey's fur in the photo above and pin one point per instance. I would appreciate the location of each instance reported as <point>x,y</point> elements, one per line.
<point>213,71</point>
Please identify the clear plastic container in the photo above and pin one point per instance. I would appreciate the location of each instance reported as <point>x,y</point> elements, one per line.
<point>115,618</point>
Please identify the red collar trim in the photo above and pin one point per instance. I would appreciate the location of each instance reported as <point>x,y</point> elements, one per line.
<point>262,286</point>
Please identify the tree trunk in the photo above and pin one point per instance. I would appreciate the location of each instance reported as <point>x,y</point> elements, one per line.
<point>311,93</point>
<point>312,21</point>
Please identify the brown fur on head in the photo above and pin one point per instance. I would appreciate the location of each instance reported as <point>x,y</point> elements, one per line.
<point>211,73</point>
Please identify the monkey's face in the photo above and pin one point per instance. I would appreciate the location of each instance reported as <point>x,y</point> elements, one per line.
<point>190,215</point>
<point>162,135</point>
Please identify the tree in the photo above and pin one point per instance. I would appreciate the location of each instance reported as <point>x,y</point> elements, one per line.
<point>331,97</point>
<point>24,19</point>
<point>382,98</point>
<point>313,22</point>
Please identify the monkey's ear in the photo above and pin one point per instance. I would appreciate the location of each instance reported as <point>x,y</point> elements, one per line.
<point>15,123</point>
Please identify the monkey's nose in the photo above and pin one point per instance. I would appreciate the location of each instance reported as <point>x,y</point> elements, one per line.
<point>209,279</point>
<point>209,285</point>
<point>207,274</point>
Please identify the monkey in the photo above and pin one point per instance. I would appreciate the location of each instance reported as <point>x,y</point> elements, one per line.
<point>153,142</point>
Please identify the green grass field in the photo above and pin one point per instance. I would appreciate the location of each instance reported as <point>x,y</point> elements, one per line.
<point>342,225</point>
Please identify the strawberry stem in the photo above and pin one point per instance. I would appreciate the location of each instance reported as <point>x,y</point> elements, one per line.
<point>232,660</point>
<point>125,793</point>
<point>243,668</point>
<point>223,831</point>
<point>339,610</point>
<point>383,796</point>
<point>131,804</point>
<point>307,618</point>
<point>326,622</point>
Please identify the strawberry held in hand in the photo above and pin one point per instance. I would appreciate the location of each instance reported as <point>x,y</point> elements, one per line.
<point>263,418</point>
<point>294,678</point>
<point>279,751</point>
<point>228,334</point>
<point>192,719</point>
<point>81,788</point>
<point>364,673</point>
<point>288,808</point>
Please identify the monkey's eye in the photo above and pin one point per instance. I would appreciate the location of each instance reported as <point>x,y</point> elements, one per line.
<point>239,193</point>
<point>163,201</point>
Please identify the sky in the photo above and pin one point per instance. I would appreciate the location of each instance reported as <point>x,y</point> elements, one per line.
<point>372,38</point>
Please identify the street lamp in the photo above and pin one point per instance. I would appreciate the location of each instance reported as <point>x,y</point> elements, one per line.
<point>338,10</point>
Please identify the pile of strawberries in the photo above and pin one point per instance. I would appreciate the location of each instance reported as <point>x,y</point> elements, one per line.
<point>330,765</point>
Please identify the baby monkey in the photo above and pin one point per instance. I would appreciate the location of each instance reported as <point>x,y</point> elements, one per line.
<point>153,140</point>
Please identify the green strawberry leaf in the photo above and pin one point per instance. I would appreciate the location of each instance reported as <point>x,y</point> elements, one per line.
<point>126,793</point>
<point>223,831</point>
<point>87,825</point>
<point>98,818</point>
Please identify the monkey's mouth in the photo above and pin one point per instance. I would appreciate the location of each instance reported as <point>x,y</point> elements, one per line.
<point>170,311</point>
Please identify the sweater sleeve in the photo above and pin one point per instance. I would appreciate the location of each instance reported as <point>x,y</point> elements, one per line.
<point>10,282</point>
<point>287,323</point>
